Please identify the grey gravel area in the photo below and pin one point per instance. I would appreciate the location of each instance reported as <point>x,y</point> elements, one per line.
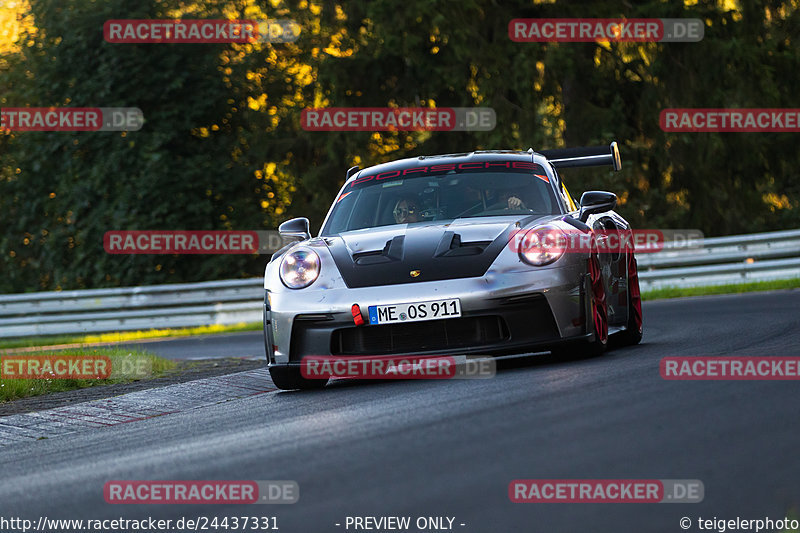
<point>184,371</point>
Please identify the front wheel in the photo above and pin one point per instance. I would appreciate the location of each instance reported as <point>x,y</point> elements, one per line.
<point>633,330</point>
<point>599,309</point>
<point>290,378</point>
<point>597,317</point>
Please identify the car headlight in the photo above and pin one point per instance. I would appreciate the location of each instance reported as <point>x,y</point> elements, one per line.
<point>542,245</point>
<point>299,268</point>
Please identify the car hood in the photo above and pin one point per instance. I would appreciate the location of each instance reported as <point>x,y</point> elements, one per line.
<point>425,251</point>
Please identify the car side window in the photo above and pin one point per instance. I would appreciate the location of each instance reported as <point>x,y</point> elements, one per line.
<point>568,201</point>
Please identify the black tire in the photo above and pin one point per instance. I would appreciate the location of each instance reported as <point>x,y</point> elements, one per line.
<point>290,378</point>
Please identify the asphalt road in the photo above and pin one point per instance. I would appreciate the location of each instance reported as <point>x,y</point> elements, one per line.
<point>246,344</point>
<point>450,448</point>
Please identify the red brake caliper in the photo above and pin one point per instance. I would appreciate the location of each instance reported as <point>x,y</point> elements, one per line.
<point>599,309</point>
<point>633,289</point>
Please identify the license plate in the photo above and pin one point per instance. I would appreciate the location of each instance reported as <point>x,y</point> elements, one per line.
<point>414,312</point>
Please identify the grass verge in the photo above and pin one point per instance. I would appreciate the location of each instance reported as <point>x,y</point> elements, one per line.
<point>124,336</point>
<point>15,388</point>
<point>731,288</point>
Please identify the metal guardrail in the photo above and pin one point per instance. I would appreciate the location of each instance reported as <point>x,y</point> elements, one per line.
<point>131,308</point>
<point>721,260</point>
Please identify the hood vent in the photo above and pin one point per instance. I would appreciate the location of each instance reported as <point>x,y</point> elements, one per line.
<point>393,251</point>
<point>437,251</point>
<point>452,246</point>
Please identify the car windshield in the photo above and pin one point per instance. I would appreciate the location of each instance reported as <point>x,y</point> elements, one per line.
<point>387,198</point>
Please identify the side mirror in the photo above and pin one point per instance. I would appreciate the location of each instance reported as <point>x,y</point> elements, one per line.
<point>593,202</point>
<point>296,227</point>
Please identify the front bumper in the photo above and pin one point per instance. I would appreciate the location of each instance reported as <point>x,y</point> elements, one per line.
<point>509,312</point>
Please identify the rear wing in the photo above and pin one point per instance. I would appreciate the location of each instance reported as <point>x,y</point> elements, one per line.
<point>590,156</point>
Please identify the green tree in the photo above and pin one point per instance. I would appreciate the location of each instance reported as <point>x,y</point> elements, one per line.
<point>223,147</point>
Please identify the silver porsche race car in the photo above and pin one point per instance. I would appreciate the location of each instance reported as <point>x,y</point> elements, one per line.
<point>453,254</point>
